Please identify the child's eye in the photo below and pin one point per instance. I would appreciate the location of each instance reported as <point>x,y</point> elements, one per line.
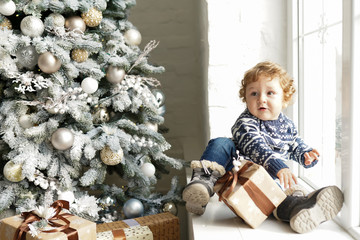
<point>253,94</point>
<point>271,93</point>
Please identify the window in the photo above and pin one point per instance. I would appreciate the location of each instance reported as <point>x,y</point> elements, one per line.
<point>326,60</point>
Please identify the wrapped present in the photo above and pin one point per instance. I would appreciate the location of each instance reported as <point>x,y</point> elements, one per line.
<point>163,226</point>
<point>60,225</point>
<point>131,233</point>
<point>250,193</point>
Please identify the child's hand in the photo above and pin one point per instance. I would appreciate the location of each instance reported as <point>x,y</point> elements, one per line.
<point>311,156</point>
<point>286,177</point>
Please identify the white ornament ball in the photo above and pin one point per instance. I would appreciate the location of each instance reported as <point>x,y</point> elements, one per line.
<point>89,85</point>
<point>111,158</point>
<point>13,172</point>
<point>152,126</point>
<point>25,121</point>
<point>115,74</point>
<point>148,169</point>
<point>62,139</point>
<point>7,8</point>
<point>76,24</point>
<point>132,37</point>
<point>48,63</point>
<point>53,109</point>
<point>57,19</point>
<point>32,26</point>
<point>27,57</point>
<point>133,208</point>
<point>67,196</point>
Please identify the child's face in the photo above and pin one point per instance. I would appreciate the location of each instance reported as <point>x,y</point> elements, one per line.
<point>264,98</point>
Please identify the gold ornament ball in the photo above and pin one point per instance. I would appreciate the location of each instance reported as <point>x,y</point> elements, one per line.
<point>79,55</point>
<point>115,74</point>
<point>170,207</point>
<point>13,172</point>
<point>111,158</point>
<point>48,63</point>
<point>101,115</point>
<point>92,18</point>
<point>75,23</point>
<point>5,24</point>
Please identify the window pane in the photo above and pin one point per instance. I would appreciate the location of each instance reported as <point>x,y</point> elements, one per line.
<point>320,68</point>
<point>313,11</point>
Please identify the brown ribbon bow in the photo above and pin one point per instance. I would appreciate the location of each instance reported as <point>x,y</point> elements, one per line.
<point>229,181</point>
<point>30,217</point>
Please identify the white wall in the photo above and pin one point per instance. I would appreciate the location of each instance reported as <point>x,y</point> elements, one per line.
<point>241,34</point>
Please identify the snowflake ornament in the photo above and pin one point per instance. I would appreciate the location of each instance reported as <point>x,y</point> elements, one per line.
<point>31,82</point>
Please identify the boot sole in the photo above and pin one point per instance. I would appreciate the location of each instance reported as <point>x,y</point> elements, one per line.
<point>196,197</point>
<point>328,204</point>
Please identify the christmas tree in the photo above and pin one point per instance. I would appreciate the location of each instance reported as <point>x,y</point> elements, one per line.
<point>78,103</point>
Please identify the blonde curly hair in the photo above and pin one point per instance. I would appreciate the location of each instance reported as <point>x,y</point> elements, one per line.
<point>269,69</point>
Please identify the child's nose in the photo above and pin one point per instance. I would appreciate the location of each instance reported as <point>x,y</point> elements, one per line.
<point>262,98</point>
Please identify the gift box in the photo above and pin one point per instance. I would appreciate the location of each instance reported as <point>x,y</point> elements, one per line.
<point>131,233</point>
<point>163,226</point>
<point>250,193</point>
<point>62,226</point>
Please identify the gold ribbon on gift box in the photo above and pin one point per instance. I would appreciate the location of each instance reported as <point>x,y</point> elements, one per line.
<point>229,181</point>
<point>30,217</point>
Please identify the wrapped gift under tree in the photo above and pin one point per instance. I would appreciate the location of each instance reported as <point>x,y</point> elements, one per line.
<point>250,192</point>
<point>47,223</point>
<point>162,226</point>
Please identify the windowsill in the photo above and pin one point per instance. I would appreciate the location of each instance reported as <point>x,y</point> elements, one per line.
<point>219,221</point>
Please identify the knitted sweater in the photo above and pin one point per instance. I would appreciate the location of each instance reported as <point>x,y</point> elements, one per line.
<point>269,143</point>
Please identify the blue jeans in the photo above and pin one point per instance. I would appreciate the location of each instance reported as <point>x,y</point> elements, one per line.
<point>222,151</point>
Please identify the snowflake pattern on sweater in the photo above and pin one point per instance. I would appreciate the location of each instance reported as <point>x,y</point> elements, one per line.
<point>269,143</point>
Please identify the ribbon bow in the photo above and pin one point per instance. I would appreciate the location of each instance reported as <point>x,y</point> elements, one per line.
<point>229,181</point>
<point>30,217</point>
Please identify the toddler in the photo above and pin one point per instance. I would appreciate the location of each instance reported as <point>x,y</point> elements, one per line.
<point>264,135</point>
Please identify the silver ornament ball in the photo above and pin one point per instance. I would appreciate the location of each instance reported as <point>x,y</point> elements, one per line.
<point>48,63</point>
<point>7,8</point>
<point>27,57</point>
<point>62,139</point>
<point>32,26</point>
<point>170,207</point>
<point>159,96</point>
<point>115,74</point>
<point>107,201</point>
<point>133,208</point>
<point>76,24</point>
<point>132,37</point>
